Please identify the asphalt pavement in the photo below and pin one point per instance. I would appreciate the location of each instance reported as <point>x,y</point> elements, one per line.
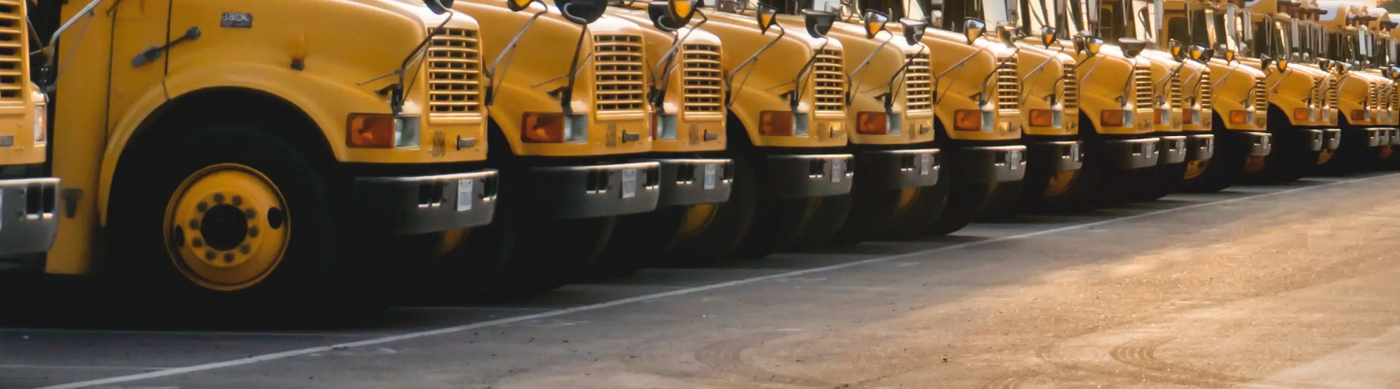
<point>1287,286</point>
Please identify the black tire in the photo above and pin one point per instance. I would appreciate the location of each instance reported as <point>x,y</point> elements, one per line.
<point>871,211</point>
<point>1226,166</point>
<point>965,199</point>
<point>776,222</point>
<point>1003,203</point>
<point>639,241</point>
<point>730,223</point>
<point>824,224</point>
<point>311,278</point>
<point>1161,181</point>
<point>915,220</point>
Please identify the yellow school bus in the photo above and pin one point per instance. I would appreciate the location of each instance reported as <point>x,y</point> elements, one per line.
<point>1354,95</point>
<point>1301,127</point>
<point>786,133</point>
<point>194,137</point>
<point>28,195</point>
<point>888,108</point>
<point>685,98</point>
<point>1239,100</point>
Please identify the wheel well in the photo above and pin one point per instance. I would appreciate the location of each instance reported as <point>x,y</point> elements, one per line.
<point>191,110</point>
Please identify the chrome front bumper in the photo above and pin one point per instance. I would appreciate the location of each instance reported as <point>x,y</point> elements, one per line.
<point>424,204</point>
<point>898,169</point>
<point>28,215</point>
<point>690,181</point>
<point>803,176</point>
<point>577,192</point>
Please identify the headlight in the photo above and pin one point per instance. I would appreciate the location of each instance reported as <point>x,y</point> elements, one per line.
<point>41,124</point>
<point>406,132</point>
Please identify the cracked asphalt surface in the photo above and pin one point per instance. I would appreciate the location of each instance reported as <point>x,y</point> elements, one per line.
<point>1291,286</point>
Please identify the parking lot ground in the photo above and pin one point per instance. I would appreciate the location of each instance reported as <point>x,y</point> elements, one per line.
<point>1291,286</point>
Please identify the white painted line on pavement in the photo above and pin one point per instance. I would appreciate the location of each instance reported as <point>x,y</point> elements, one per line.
<point>631,300</point>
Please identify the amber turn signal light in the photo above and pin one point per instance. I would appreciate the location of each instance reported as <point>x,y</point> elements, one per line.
<point>1239,117</point>
<point>775,123</point>
<point>872,123</point>
<point>542,127</point>
<point>1042,117</point>
<point>967,120</point>
<point>1112,117</point>
<point>1302,113</point>
<point>1358,115</point>
<point>369,131</point>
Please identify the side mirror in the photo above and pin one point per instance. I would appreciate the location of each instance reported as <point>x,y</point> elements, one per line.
<point>1175,48</point>
<point>1282,64</point>
<point>1229,54</point>
<point>874,23</point>
<point>818,22</point>
<point>670,15</point>
<point>439,6</point>
<point>1207,55</point>
<point>1395,73</point>
<point>1007,33</point>
<point>767,16</point>
<point>913,30</point>
<point>581,11</point>
<point>1264,62</point>
<point>1047,36</point>
<point>1197,53</point>
<point>1132,47</point>
<point>973,29</point>
<point>680,11</point>
<point>1092,45</point>
<point>516,5</point>
<point>935,18</point>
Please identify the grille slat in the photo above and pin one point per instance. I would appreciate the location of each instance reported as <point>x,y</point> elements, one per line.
<point>617,68</point>
<point>1206,94</point>
<point>830,81</point>
<point>1071,89</point>
<point>1261,97</point>
<point>703,78</point>
<point>1178,99</point>
<point>1008,85</point>
<point>918,83</point>
<point>1373,96</point>
<point>454,73</point>
<point>1142,82</point>
<point>12,38</point>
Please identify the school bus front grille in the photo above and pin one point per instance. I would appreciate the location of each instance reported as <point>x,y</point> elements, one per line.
<point>1373,96</point>
<point>1178,100</point>
<point>1142,81</point>
<point>703,78</point>
<point>1332,94</point>
<point>1071,89</point>
<point>454,69</point>
<point>1008,85</point>
<point>13,37</point>
<point>1394,97</point>
<point>618,66</point>
<point>1261,98</point>
<point>918,83</point>
<point>1206,94</point>
<point>831,81</point>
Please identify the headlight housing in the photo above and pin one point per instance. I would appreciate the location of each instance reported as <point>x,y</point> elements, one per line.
<point>41,124</point>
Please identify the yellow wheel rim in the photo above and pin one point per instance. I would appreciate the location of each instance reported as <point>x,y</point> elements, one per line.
<point>1196,168</point>
<point>452,240</point>
<point>227,227</point>
<point>1254,164</point>
<point>1386,152</point>
<point>1323,157</point>
<point>907,197</point>
<point>698,218</point>
<point>1061,183</point>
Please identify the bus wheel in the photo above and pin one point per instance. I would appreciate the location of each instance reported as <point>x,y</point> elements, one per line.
<point>711,232</point>
<point>227,227</point>
<point>912,220</point>
<point>244,220</point>
<point>1004,202</point>
<point>828,219</point>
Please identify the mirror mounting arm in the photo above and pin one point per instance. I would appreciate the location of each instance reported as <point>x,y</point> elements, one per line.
<point>566,96</point>
<point>508,54</point>
<point>659,93</point>
<point>753,58</point>
<point>855,81</point>
<point>894,86</point>
<point>986,80</point>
